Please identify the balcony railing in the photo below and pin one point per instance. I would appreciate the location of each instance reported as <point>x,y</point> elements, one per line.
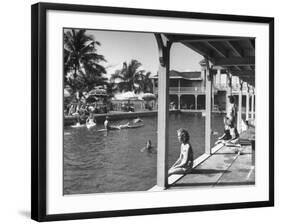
<point>175,90</point>
<point>184,90</point>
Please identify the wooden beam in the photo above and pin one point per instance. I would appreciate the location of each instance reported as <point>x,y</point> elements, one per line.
<point>163,112</point>
<point>218,49</point>
<point>229,88</point>
<point>238,68</point>
<point>252,105</point>
<point>163,127</point>
<point>199,38</point>
<point>245,73</point>
<point>239,114</point>
<point>208,100</point>
<point>245,79</point>
<point>234,61</point>
<point>247,103</point>
<point>251,43</point>
<point>234,47</point>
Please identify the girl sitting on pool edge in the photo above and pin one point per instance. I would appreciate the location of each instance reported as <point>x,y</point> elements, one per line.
<point>184,163</point>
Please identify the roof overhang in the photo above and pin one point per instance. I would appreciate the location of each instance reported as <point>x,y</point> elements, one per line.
<point>233,53</point>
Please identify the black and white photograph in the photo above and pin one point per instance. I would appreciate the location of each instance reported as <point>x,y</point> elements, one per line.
<point>113,120</point>
<point>140,112</point>
<point>135,111</point>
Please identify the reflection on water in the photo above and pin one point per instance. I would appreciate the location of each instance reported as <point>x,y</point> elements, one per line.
<point>113,161</point>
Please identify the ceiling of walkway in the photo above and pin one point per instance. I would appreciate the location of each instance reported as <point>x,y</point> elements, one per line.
<point>236,54</point>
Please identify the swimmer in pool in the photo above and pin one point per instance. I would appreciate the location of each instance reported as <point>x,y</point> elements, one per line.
<point>91,119</point>
<point>106,123</point>
<point>78,122</point>
<point>149,148</point>
<point>137,120</point>
<point>107,126</point>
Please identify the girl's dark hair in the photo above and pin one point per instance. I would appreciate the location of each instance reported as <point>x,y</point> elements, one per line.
<point>183,133</point>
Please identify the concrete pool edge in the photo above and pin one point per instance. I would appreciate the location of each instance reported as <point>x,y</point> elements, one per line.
<point>174,178</point>
<point>71,120</point>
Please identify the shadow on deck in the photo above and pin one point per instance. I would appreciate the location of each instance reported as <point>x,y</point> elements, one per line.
<point>227,166</point>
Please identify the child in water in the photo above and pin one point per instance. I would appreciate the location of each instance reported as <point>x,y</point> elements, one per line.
<point>185,160</point>
<point>137,120</point>
<point>148,147</point>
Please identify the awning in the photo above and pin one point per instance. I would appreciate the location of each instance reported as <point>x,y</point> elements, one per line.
<point>235,54</point>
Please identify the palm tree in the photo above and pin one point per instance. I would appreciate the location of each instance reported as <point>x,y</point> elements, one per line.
<point>146,82</point>
<point>82,68</point>
<point>129,77</point>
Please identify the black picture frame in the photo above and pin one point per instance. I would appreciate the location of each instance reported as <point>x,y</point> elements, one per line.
<point>39,114</point>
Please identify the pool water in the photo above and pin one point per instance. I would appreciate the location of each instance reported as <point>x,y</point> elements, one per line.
<point>97,162</point>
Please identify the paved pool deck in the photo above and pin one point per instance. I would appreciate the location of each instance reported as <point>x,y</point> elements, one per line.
<point>227,166</point>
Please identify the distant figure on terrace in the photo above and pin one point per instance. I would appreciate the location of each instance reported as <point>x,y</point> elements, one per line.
<point>184,163</point>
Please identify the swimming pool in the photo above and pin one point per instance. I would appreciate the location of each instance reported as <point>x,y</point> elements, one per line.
<point>96,162</point>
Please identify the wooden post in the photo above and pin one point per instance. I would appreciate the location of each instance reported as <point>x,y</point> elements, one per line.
<point>153,85</point>
<point>163,111</point>
<point>254,115</point>
<point>228,90</point>
<point>219,77</point>
<point>208,103</point>
<point>253,143</point>
<point>179,96</point>
<point>239,115</point>
<point>252,105</point>
<point>247,103</point>
<point>213,92</point>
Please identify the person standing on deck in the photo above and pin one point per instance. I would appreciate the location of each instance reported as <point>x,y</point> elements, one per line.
<point>229,120</point>
<point>185,161</point>
<point>231,110</point>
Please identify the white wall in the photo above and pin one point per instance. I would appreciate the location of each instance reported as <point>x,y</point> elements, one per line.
<point>15,106</point>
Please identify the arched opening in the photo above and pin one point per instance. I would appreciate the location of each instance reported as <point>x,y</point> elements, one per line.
<point>174,102</point>
<point>244,103</point>
<point>187,102</point>
<point>236,99</point>
<point>220,101</point>
<point>201,102</point>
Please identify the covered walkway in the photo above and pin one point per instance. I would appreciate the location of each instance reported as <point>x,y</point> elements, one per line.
<point>219,165</point>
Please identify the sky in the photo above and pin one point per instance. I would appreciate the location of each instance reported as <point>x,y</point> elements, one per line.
<point>118,47</point>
